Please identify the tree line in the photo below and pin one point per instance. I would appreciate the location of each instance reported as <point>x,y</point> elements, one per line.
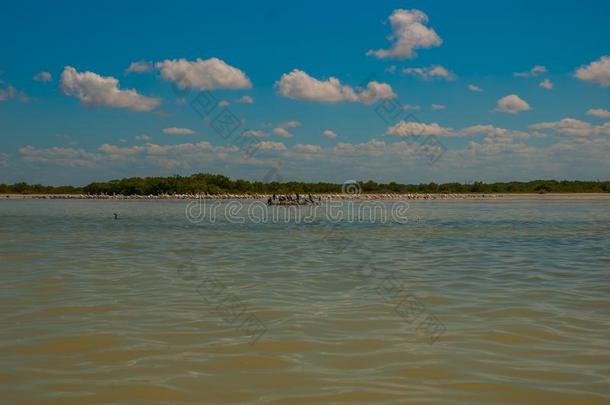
<point>219,184</point>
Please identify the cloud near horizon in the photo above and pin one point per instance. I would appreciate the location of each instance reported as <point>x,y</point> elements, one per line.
<point>412,128</point>
<point>572,126</point>
<point>178,131</point>
<point>599,113</point>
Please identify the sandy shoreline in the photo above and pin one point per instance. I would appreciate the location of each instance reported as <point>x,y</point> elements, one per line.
<point>374,196</point>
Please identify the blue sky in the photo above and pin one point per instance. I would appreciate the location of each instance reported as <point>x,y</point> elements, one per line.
<point>73,129</point>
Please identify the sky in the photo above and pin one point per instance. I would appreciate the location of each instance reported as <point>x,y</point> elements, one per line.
<point>406,91</point>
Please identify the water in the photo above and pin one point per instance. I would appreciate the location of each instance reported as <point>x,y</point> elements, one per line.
<point>150,307</point>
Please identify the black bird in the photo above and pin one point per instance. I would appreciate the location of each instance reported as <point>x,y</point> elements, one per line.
<point>116,216</point>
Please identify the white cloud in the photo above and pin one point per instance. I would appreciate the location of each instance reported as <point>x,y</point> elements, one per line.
<point>483,129</point>
<point>246,100</point>
<point>223,103</point>
<point>299,85</point>
<point>282,128</point>
<point>408,107</point>
<point>512,104</point>
<point>142,137</point>
<point>412,128</point>
<point>60,156</point>
<point>375,91</point>
<point>535,71</point>
<point>493,131</point>
<point>307,148</point>
<point>438,106</point>
<point>282,132</point>
<point>474,88</point>
<point>178,131</point>
<point>103,91</point>
<point>373,147</point>
<point>546,84</point>
<point>597,72</point>
<point>431,72</point>
<point>572,126</point>
<point>329,134</point>
<point>202,74</point>
<point>290,124</point>
<point>252,133</point>
<point>270,146</point>
<point>43,77</point>
<point>599,112</point>
<point>141,66</point>
<point>409,32</point>
<point>10,92</point>
<point>390,69</point>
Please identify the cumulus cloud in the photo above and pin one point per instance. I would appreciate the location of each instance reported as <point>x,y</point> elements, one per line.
<point>178,131</point>
<point>431,72</point>
<point>329,134</point>
<point>408,107</point>
<point>270,146</point>
<point>413,128</point>
<point>223,103</point>
<point>142,137</point>
<point>186,157</point>
<point>597,72</point>
<point>390,69</point>
<point>70,157</point>
<point>246,100</point>
<point>282,128</point>
<point>290,124</point>
<point>301,148</point>
<point>94,90</point>
<point>409,32</point>
<point>43,77</point>
<point>599,113</point>
<point>512,104</point>
<point>574,127</point>
<point>534,71</point>
<point>474,88</point>
<point>202,74</point>
<point>546,84</point>
<point>493,131</point>
<point>438,106</point>
<point>299,85</point>
<point>141,66</point>
<point>282,132</point>
<point>10,92</point>
<point>252,133</point>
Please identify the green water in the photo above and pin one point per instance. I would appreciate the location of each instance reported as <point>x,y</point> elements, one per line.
<point>466,302</point>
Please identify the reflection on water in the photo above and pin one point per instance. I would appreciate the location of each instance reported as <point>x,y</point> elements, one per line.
<point>97,310</point>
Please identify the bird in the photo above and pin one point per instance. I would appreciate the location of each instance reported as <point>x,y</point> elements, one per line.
<point>116,216</point>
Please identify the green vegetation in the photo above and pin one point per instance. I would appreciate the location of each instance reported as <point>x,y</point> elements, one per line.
<point>218,184</point>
